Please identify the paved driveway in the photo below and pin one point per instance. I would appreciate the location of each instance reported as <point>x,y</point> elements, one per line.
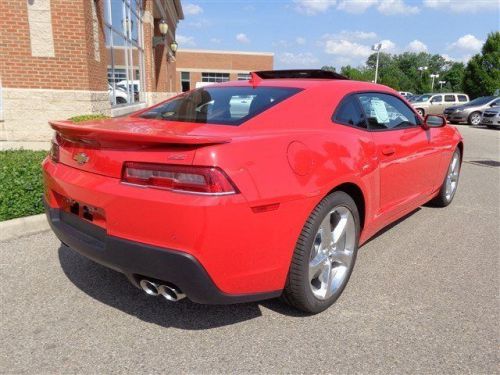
<point>423,298</point>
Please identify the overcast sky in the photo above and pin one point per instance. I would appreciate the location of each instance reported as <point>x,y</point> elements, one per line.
<point>313,33</point>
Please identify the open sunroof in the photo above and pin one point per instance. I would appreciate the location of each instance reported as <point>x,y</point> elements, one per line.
<point>299,74</point>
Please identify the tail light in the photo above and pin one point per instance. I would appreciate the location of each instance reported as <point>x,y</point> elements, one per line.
<point>183,178</point>
<point>54,149</point>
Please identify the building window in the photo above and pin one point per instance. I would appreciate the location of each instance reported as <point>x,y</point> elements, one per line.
<point>124,44</point>
<point>185,81</point>
<point>243,76</point>
<point>214,77</point>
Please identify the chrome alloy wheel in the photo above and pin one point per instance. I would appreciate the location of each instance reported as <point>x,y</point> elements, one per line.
<point>475,119</point>
<point>452,176</point>
<point>332,253</point>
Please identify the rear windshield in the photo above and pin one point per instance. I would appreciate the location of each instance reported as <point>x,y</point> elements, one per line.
<point>220,105</point>
<point>481,100</point>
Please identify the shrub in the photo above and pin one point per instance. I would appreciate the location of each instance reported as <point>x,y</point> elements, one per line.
<point>82,118</point>
<point>21,186</point>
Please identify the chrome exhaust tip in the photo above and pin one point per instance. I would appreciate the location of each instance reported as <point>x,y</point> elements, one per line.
<point>149,287</point>
<point>171,293</point>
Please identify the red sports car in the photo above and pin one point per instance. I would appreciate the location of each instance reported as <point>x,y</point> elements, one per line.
<point>248,190</point>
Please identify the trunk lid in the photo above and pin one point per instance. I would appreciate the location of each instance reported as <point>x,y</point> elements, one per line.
<point>102,147</point>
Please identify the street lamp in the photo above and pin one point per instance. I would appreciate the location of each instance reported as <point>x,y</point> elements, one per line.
<point>377,47</point>
<point>422,68</point>
<point>163,27</point>
<point>433,76</point>
<point>441,83</point>
<point>173,50</point>
<point>174,46</point>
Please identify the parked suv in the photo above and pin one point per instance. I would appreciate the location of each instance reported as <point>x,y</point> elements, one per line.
<point>471,112</point>
<point>435,104</point>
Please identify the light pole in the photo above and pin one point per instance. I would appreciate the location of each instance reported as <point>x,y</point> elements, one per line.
<point>422,68</point>
<point>433,76</point>
<point>377,47</point>
<point>441,83</point>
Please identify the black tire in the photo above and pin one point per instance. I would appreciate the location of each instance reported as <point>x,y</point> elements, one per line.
<point>441,199</point>
<point>472,120</point>
<point>297,292</point>
<point>120,100</point>
<point>421,112</point>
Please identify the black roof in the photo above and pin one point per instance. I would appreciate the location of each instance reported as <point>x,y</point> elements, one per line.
<point>299,74</point>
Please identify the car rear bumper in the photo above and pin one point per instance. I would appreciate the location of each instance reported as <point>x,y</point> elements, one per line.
<point>137,260</point>
<point>244,252</point>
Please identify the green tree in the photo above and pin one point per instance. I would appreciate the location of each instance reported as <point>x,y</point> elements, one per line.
<point>357,74</point>
<point>482,74</point>
<point>328,68</point>
<point>454,77</point>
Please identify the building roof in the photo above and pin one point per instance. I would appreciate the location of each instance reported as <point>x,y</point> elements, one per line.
<point>226,52</point>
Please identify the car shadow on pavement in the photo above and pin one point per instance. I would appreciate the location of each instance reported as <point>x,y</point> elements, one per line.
<point>113,289</point>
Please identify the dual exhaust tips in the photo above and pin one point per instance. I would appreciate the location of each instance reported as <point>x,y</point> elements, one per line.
<point>170,293</point>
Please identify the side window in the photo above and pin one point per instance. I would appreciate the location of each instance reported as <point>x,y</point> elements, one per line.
<point>350,113</point>
<point>462,98</point>
<point>384,111</point>
<point>437,99</point>
<point>449,98</point>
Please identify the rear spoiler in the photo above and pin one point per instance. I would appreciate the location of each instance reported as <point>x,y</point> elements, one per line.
<point>90,134</point>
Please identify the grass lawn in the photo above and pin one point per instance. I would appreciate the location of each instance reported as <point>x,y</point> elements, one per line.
<point>21,187</point>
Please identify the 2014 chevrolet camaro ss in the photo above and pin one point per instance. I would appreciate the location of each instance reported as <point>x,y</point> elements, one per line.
<point>248,190</point>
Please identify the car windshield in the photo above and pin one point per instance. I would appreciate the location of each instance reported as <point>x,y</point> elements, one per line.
<point>220,105</point>
<point>422,98</point>
<point>481,100</point>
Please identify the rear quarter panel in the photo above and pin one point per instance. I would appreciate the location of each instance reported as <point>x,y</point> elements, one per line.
<point>295,154</point>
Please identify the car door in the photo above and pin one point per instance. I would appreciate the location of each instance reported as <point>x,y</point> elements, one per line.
<point>407,157</point>
<point>495,103</point>
<point>437,105</point>
<point>449,101</point>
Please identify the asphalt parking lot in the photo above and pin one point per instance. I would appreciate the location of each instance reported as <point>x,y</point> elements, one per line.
<point>423,298</point>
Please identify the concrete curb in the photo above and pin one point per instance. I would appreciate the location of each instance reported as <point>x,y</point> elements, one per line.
<point>23,226</point>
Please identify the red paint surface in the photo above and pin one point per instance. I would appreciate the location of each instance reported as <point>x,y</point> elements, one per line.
<point>246,250</point>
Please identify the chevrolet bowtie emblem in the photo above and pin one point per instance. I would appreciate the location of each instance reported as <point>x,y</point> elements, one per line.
<point>81,158</point>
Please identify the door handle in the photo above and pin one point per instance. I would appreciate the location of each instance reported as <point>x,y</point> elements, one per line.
<point>388,150</point>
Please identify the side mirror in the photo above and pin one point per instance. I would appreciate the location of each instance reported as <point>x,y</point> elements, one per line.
<point>434,121</point>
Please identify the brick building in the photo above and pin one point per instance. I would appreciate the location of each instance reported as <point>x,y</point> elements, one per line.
<point>60,58</point>
<point>195,67</point>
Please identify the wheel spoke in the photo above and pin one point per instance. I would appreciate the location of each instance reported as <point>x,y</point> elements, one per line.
<point>454,164</point>
<point>340,228</point>
<point>316,265</point>
<point>448,186</point>
<point>325,277</point>
<point>342,256</point>
<point>326,232</point>
<point>329,287</point>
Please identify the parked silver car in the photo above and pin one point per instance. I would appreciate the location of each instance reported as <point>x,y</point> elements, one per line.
<point>435,104</point>
<point>471,112</point>
<point>491,118</point>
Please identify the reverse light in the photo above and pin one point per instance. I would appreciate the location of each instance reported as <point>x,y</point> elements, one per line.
<point>182,178</point>
<point>54,150</point>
